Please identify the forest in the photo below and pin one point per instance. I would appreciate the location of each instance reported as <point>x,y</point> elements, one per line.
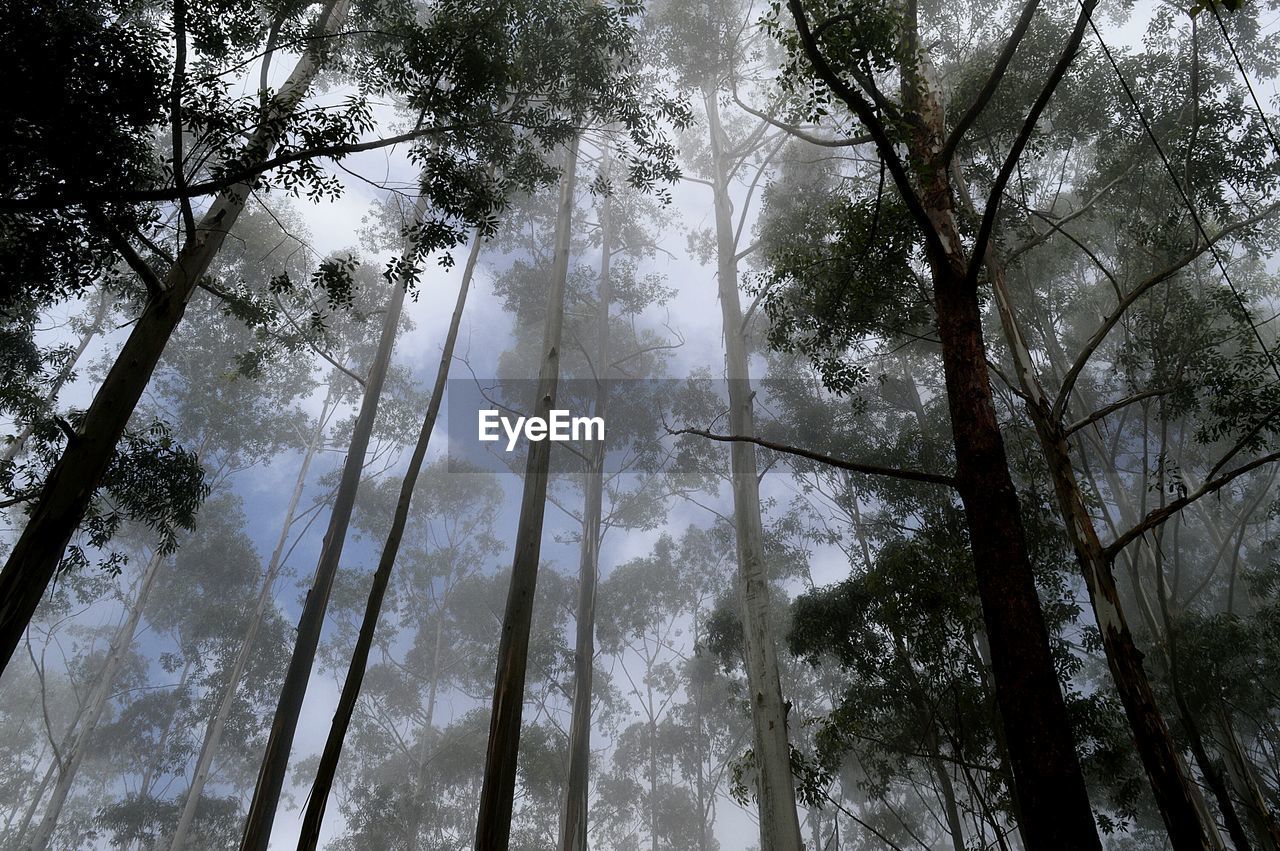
<point>934,349</point>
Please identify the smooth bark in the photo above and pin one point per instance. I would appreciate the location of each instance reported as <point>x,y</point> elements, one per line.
<point>275,761</point>
<point>573,831</point>
<point>775,790</point>
<point>497,795</point>
<point>1244,781</point>
<point>328,767</point>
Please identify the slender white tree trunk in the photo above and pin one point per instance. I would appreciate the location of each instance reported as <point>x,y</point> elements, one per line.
<point>775,791</point>
<point>213,731</point>
<point>97,704</point>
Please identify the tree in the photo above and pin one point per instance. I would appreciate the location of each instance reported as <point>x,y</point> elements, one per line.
<point>1052,796</point>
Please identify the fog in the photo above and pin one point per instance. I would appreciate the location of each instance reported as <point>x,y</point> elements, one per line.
<point>918,373</point>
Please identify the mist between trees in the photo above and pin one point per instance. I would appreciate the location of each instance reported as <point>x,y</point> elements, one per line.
<point>936,347</point>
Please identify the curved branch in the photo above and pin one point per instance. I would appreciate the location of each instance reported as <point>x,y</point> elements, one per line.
<point>1068,56</point>
<point>1107,410</point>
<point>879,133</point>
<point>1068,382</point>
<point>831,460</point>
<point>993,81</point>
<point>803,135</point>
<point>225,181</point>
<point>1160,515</point>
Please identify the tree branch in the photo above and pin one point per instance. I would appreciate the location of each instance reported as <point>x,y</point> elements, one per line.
<point>993,81</point>
<point>1103,412</point>
<point>1068,382</point>
<point>978,254</point>
<point>1160,515</point>
<point>175,113</point>
<point>797,131</point>
<point>879,134</point>
<point>225,181</point>
<point>831,460</point>
<point>126,251</point>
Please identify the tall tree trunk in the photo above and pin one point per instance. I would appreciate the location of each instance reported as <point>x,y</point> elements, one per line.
<point>948,792</point>
<point>653,761</point>
<point>275,760</point>
<point>97,702</point>
<point>69,488</point>
<point>326,771</point>
<point>213,731</point>
<point>1048,782</point>
<point>1212,776</point>
<point>1245,781</point>
<point>154,767</point>
<point>1166,771</point>
<point>424,757</point>
<point>497,794</point>
<point>775,790</point>
<point>573,832</point>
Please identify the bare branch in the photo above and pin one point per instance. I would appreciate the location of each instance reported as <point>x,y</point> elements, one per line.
<point>993,81</point>
<point>798,132</point>
<point>1068,382</point>
<point>843,464</point>
<point>1103,412</point>
<point>1068,56</point>
<point>1160,515</point>
<point>1056,225</point>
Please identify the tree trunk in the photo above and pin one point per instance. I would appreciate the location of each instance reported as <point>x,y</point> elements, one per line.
<point>779,822</point>
<point>97,704</point>
<point>497,795</point>
<point>573,833</point>
<point>1244,781</point>
<point>275,761</point>
<point>653,762</point>
<point>954,826</point>
<point>155,765</point>
<point>30,812</point>
<point>328,767</point>
<point>70,486</point>
<point>420,782</point>
<point>1212,777</point>
<point>1167,773</point>
<point>1048,782</point>
<point>213,731</point>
